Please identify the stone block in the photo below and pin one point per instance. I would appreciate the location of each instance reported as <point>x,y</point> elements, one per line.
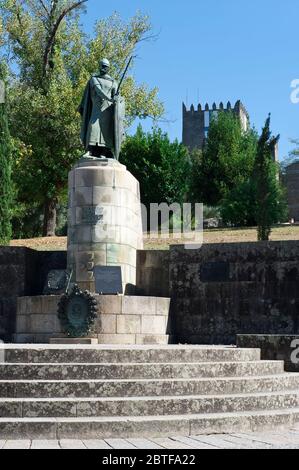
<point>23,324</point>
<point>163,306</point>
<point>73,341</point>
<point>117,253</point>
<point>106,195</point>
<point>32,304</point>
<point>90,177</point>
<point>50,304</point>
<point>43,323</point>
<point>128,324</point>
<point>83,274</point>
<point>105,324</point>
<point>107,234</point>
<point>82,196</point>
<point>153,324</point>
<point>152,339</point>
<point>86,285</point>
<point>71,179</point>
<point>21,338</point>
<point>128,237</point>
<point>109,304</point>
<point>22,305</point>
<point>126,180</point>
<point>116,339</point>
<point>84,234</point>
<point>133,305</point>
<point>100,255</point>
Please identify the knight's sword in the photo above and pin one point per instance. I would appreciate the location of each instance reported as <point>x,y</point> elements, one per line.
<point>124,74</point>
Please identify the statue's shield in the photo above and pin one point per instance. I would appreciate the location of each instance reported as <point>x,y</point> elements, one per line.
<point>119,132</point>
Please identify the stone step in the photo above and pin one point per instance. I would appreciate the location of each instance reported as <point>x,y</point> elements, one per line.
<point>145,406</point>
<point>147,426</point>
<point>146,387</point>
<point>116,354</point>
<point>138,370</point>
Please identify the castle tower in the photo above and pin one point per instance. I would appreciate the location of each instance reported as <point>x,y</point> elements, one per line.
<point>196,123</point>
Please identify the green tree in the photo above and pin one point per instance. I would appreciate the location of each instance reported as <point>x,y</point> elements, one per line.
<point>163,168</point>
<point>227,159</point>
<point>54,61</point>
<point>270,202</point>
<point>6,191</point>
<point>238,208</point>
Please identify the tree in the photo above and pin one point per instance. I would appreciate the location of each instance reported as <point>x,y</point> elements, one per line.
<point>163,168</point>
<point>270,204</point>
<point>54,61</point>
<point>5,166</point>
<point>227,159</point>
<point>238,208</point>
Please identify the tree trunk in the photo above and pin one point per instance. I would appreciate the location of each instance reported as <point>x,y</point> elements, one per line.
<point>50,217</point>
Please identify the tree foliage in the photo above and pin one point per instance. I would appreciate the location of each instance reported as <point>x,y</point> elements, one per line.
<point>163,168</point>
<point>6,191</point>
<point>227,159</point>
<point>270,205</point>
<point>54,59</point>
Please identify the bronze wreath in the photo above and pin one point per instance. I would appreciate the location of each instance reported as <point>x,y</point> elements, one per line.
<point>77,312</point>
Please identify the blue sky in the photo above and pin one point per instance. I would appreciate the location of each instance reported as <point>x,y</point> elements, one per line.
<point>218,50</point>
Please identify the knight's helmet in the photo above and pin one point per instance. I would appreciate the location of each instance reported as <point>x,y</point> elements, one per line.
<point>105,63</point>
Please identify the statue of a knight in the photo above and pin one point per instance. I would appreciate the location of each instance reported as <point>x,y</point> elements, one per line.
<point>102,110</point>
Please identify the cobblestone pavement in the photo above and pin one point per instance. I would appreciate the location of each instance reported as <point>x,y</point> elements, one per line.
<point>259,440</point>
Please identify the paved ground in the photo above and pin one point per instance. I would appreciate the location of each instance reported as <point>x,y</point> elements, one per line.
<point>260,440</point>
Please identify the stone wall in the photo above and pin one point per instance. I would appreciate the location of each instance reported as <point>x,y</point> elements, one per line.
<point>22,272</point>
<point>224,289</point>
<point>221,290</point>
<point>152,277</point>
<point>216,292</point>
<point>274,348</point>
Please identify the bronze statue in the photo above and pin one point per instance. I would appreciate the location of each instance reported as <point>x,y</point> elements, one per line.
<point>102,110</point>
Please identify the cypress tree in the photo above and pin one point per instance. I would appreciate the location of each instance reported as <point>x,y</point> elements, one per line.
<point>5,165</point>
<point>267,184</point>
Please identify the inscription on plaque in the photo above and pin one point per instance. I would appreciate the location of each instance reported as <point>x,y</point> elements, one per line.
<point>2,92</point>
<point>92,215</point>
<point>108,280</point>
<point>214,272</point>
<point>56,283</point>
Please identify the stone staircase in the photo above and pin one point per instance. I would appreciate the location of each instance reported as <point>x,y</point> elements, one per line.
<point>72,391</point>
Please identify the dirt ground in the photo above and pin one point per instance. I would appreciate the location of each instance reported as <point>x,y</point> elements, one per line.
<point>209,236</point>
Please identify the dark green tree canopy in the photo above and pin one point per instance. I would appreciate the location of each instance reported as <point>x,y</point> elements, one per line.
<point>6,191</point>
<point>163,168</point>
<point>227,158</point>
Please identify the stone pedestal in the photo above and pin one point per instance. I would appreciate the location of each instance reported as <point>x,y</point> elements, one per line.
<point>104,221</point>
<point>89,341</point>
<point>120,320</point>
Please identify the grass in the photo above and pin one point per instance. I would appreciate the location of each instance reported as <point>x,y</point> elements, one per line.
<point>227,235</point>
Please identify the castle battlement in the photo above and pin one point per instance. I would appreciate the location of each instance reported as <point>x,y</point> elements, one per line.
<point>201,108</point>
<point>196,122</point>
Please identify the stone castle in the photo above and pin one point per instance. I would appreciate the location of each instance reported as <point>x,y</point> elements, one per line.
<point>196,123</point>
